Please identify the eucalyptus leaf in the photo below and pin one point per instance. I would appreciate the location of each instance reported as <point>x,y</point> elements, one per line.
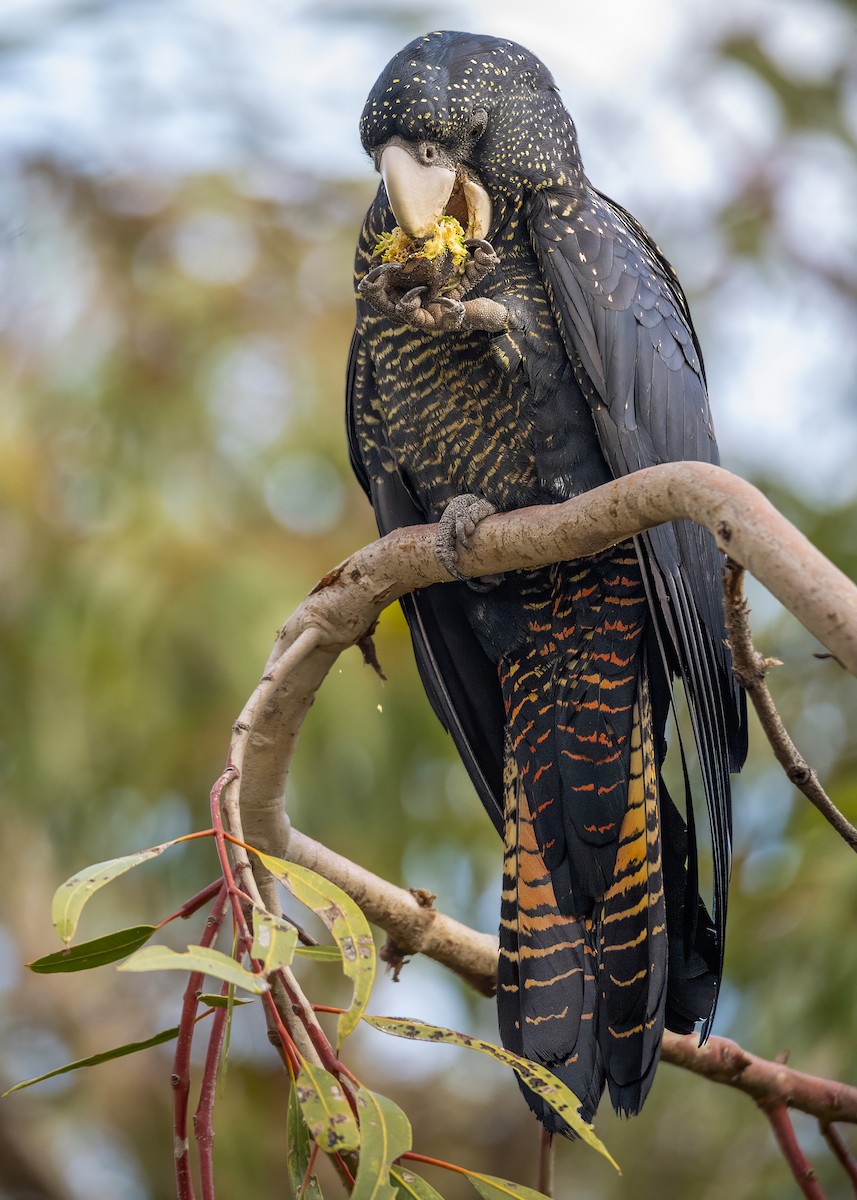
<point>70,897</point>
<point>538,1078</point>
<point>299,1145</point>
<point>167,1035</point>
<point>385,1133</point>
<point>96,953</point>
<point>348,926</point>
<point>196,958</point>
<point>326,1110</point>
<point>413,1186</point>
<point>274,941</point>
<point>493,1188</point>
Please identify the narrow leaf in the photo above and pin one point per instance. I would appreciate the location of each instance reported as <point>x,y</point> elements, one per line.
<point>86,955</point>
<point>299,1145</point>
<point>196,958</point>
<point>346,922</point>
<point>274,941</point>
<point>326,1110</point>
<point>71,896</point>
<point>320,953</point>
<point>385,1133</point>
<point>413,1186</point>
<point>538,1078</point>
<point>215,1000</point>
<point>106,1055</point>
<point>493,1188</point>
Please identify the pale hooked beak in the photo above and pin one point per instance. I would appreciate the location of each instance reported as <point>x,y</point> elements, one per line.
<point>420,194</point>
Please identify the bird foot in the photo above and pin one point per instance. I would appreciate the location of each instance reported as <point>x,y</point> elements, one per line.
<point>456,528</point>
<point>482,259</point>
<point>436,304</point>
<point>414,306</point>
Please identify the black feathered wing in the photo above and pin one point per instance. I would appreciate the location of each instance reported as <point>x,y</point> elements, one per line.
<point>459,679</point>
<point>626,327</point>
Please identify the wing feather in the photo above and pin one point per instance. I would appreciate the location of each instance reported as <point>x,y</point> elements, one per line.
<point>625,323</point>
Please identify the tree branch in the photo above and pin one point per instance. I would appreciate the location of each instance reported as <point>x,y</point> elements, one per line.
<point>342,611</point>
<point>751,670</point>
<point>347,602</point>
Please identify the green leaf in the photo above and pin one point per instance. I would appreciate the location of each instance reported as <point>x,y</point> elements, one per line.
<point>196,958</point>
<point>413,1186</point>
<point>346,922</point>
<point>385,1133</point>
<point>215,1000</point>
<point>119,1052</point>
<point>326,1110</point>
<point>299,1145</point>
<point>86,955</point>
<point>493,1188</point>
<point>71,896</point>
<point>538,1078</point>
<point>274,941</point>
<point>321,953</point>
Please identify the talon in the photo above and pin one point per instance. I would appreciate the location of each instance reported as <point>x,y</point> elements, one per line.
<point>483,252</point>
<point>375,274</point>
<point>411,299</point>
<point>455,529</point>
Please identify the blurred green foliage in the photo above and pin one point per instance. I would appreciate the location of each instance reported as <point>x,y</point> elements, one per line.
<point>173,480</point>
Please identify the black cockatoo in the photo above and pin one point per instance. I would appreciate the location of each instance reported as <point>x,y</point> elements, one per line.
<point>548,352</point>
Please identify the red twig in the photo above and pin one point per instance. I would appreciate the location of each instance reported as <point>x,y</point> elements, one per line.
<point>181,1061</point>
<point>194,903</point>
<point>203,1119</point>
<point>237,898</point>
<point>434,1162</point>
<point>546,1162</point>
<point>804,1175</point>
<point>326,1053</point>
<point>836,1143</point>
<point>340,1162</point>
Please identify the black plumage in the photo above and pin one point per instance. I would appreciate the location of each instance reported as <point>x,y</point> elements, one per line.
<point>569,361</point>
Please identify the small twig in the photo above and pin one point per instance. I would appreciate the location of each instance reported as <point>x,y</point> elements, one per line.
<point>181,1060</point>
<point>194,904</point>
<point>751,670</point>
<point>792,1153</point>
<point>836,1143</point>
<point>203,1119</point>
<point>237,898</point>
<point>546,1162</point>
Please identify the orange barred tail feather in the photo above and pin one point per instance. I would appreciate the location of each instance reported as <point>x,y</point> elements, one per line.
<point>632,931</point>
<point>546,994</point>
<point>583,966</point>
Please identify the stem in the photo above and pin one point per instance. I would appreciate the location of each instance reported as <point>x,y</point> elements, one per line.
<point>436,1162</point>
<point>340,1162</point>
<point>792,1153</point>
<point>194,903</point>
<point>245,939</point>
<point>750,671</point>
<point>181,1061</point>
<point>546,1162</point>
<point>836,1143</point>
<point>203,1120</point>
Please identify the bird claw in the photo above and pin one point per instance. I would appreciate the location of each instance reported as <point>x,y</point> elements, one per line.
<point>481,261</point>
<point>442,314</point>
<point>455,530</point>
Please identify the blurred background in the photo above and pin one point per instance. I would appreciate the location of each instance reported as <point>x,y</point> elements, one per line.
<point>181,185</point>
